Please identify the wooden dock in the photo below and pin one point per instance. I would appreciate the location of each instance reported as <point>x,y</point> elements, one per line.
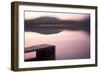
<point>43,52</point>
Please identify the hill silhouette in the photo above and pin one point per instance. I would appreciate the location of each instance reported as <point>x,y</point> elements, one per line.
<point>48,20</point>
<point>50,25</point>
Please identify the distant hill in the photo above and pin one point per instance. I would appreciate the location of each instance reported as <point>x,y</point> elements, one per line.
<point>49,25</point>
<point>45,20</point>
<point>48,20</point>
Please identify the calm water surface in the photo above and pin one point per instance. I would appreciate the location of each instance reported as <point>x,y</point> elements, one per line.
<point>70,44</point>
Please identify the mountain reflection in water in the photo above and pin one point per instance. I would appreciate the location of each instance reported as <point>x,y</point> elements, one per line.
<point>70,44</point>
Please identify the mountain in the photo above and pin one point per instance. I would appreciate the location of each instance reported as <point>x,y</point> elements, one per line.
<point>49,25</point>
<point>48,20</point>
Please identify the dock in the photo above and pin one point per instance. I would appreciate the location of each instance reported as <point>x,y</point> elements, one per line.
<point>43,52</point>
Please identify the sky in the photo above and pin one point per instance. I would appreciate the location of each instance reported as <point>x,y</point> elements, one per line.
<point>61,16</point>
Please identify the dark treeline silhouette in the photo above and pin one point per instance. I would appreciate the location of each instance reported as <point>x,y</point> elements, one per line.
<point>50,25</point>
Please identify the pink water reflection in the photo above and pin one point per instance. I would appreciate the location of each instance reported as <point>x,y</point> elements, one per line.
<point>69,44</point>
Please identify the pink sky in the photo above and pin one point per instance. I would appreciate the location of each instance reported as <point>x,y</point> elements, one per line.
<point>62,16</point>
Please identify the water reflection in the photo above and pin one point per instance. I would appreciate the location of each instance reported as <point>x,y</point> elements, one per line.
<point>69,44</point>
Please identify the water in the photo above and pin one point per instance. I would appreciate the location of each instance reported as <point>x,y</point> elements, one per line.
<point>70,44</point>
